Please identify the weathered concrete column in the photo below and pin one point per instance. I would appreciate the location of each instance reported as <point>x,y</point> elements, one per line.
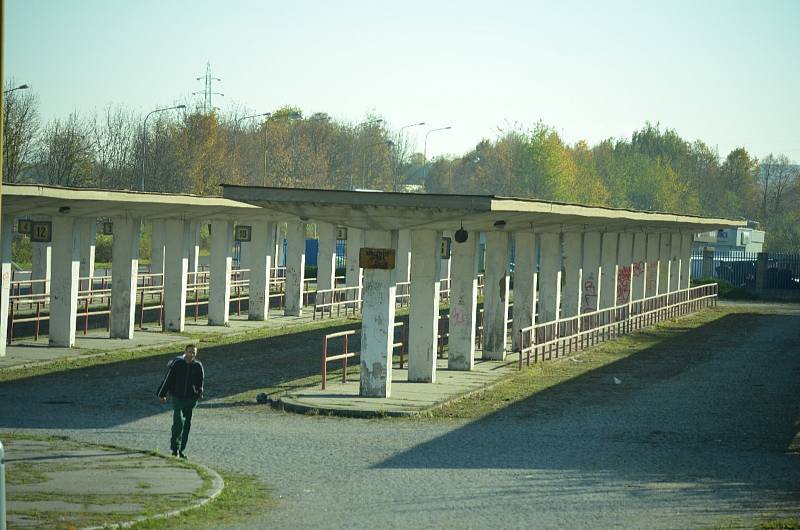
<point>524,284</point>
<point>377,331</point>
<point>263,250</point>
<point>761,270</point>
<point>571,293</point>
<point>664,257</point>
<point>463,302</point>
<point>653,264</point>
<point>6,237</point>
<point>549,277</point>
<point>245,249</point>
<point>423,318</point>
<point>675,262</point>
<point>157,248</point>
<point>295,267</point>
<point>608,261</point>
<point>64,281</point>
<point>88,228</point>
<point>219,289</point>
<point>639,265</point>
<point>495,295</point>
<point>326,256</point>
<point>403,256</point>
<point>625,269</point>
<point>124,272</point>
<point>194,245</point>
<point>686,260</point>
<point>41,259</point>
<point>708,263</point>
<point>178,236</point>
<point>590,288</point>
<point>353,275</point>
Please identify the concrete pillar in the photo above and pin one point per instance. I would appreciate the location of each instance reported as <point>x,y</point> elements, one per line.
<point>708,263</point>
<point>219,289</point>
<point>590,289</point>
<point>608,262</point>
<point>664,256</point>
<point>639,264</point>
<point>295,267</point>
<point>524,284</point>
<point>549,277</point>
<point>675,262</point>
<point>653,265</point>
<point>625,269</point>
<point>571,294</point>
<point>6,237</point>
<point>423,318</point>
<point>157,249</point>
<point>686,260</point>
<point>124,272</point>
<point>353,274</point>
<point>245,249</point>
<point>464,259</point>
<point>495,295</point>
<point>377,332</point>
<point>194,245</point>
<point>263,250</point>
<point>64,281</point>
<point>41,259</point>
<point>403,256</point>
<point>88,229</point>
<point>326,256</point>
<point>761,270</point>
<point>177,237</point>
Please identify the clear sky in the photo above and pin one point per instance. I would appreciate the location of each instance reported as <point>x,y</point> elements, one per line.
<point>726,72</point>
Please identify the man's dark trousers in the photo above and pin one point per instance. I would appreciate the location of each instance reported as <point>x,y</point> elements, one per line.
<point>181,422</point>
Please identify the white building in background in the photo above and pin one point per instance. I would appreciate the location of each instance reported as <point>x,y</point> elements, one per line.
<point>748,240</point>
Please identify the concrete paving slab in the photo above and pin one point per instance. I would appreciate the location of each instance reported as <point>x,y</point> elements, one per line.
<point>407,398</point>
<point>58,480</point>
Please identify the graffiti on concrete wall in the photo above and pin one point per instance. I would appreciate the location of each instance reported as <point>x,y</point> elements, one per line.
<point>623,284</point>
<point>589,292</point>
<point>652,277</point>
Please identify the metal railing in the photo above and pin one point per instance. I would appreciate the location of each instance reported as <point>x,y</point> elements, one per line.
<point>549,340</point>
<point>346,354</point>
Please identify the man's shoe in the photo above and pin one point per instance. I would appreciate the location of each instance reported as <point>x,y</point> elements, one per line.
<point>183,455</point>
<point>174,452</point>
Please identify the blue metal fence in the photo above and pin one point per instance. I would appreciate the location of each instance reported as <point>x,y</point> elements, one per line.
<point>739,268</point>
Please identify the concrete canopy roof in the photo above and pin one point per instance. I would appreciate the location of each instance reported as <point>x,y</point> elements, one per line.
<point>27,199</point>
<point>390,211</point>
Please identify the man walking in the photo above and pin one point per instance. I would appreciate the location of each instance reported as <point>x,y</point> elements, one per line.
<point>184,382</point>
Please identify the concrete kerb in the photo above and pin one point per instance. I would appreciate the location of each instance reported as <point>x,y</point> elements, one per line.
<point>32,446</point>
<point>217,485</point>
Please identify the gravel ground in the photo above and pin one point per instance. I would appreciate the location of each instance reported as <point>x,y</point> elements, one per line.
<point>700,432</point>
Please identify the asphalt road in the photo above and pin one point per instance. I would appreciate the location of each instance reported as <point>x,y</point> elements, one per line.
<point>701,432</point>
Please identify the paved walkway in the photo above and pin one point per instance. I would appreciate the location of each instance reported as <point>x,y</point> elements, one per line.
<point>407,399</point>
<point>28,352</point>
<point>55,482</point>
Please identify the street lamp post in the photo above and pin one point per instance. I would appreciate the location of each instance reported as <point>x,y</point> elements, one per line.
<point>21,87</point>
<point>144,135</point>
<point>425,149</point>
<point>236,133</point>
<point>397,169</point>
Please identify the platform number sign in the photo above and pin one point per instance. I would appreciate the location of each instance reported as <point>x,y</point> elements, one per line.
<point>444,249</point>
<point>341,233</point>
<point>24,226</point>
<point>243,232</point>
<point>42,231</point>
<point>108,228</point>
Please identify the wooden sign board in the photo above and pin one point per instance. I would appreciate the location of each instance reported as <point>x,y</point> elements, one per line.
<point>444,249</point>
<point>42,231</point>
<point>108,228</point>
<point>341,233</point>
<point>376,258</point>
<point>243,232</point>
<point>24,226</point>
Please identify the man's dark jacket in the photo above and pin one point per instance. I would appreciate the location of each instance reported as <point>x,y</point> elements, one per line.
<point>183,380</point>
